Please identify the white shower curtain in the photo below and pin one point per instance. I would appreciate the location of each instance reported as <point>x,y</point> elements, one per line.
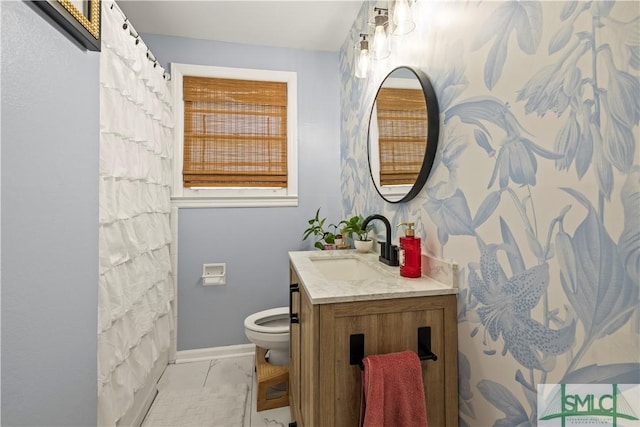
<point>135,285</point>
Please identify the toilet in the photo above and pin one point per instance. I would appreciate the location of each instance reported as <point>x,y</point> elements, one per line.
<point>269,329</point>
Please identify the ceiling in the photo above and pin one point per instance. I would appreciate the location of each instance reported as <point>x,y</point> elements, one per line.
<point>299,24</point>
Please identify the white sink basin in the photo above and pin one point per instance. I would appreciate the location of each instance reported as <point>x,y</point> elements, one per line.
<point>346,268</point>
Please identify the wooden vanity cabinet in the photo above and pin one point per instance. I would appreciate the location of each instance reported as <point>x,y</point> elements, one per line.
<point>303,338</point>
<point>325,390</point>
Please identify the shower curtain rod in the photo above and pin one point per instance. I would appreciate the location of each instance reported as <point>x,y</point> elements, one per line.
<point>134,34</point>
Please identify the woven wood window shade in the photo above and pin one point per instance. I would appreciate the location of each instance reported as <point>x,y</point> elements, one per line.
<point>235,133</point>
<point>402,128</point>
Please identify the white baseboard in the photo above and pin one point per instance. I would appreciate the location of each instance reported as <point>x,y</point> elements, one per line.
<point>200,354</point>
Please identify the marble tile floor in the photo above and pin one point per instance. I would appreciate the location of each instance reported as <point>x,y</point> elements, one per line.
<point>227,371</point>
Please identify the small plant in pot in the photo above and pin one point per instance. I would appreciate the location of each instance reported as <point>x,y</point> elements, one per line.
<point>326,239</point>
<point>352,228</point>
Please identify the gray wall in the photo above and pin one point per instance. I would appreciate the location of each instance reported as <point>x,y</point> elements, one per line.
<point>254,241</point>
<point>50,136</point>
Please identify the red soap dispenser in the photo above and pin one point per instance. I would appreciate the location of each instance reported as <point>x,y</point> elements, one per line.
<point>410,256</point>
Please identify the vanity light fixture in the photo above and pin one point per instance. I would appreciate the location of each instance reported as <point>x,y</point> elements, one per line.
<point>380,44</point>
<point>363,57</point>
<point>402,16</point>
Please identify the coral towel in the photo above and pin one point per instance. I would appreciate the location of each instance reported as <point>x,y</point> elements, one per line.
<point>392,391</point>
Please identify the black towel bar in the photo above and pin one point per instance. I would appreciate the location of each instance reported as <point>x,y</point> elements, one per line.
<point>356,347</point>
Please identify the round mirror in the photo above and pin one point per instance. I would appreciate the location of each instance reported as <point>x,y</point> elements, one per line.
<point>403,134</point>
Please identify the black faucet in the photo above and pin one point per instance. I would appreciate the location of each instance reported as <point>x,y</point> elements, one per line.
<point>388,252</point>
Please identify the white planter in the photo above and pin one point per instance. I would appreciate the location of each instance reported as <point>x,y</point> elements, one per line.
<point>363,245</point>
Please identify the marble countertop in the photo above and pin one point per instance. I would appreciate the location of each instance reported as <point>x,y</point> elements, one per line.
<point>384,282</point>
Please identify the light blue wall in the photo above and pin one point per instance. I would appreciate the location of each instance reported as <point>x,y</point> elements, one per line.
<point>254,242</point>
<point>535,191</point>
<point>50,113</point>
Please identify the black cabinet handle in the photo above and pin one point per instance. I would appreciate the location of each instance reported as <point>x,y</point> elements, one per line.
<point>424,344</point>
<point>293,317</point>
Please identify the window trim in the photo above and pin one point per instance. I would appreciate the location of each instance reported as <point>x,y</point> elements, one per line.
<point>234,196</point>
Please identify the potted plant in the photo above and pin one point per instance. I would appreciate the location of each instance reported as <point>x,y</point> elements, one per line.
<point>326,238</point>
<point>353,229</point>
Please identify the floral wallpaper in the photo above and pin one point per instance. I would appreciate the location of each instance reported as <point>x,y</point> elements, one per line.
<point>535,191</point>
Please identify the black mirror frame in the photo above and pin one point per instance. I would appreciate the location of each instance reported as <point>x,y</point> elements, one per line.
<point>433,134</point>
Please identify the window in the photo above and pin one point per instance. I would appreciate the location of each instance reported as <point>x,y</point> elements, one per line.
<point>236,138</point>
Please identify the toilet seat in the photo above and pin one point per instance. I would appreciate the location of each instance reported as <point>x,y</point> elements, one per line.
<point>255,321</point>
